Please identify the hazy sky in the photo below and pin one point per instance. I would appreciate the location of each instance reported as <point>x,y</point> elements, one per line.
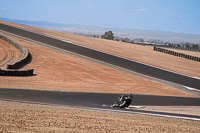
<point>181,16</point>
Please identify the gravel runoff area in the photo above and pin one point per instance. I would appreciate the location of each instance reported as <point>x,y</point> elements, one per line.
<point>18,117</point>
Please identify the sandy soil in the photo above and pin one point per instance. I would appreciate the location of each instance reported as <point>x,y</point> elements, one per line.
<point>135,52</point>
<point>190,110</point>
<point>15,117</point>
<point>8,53</point>
<point>59,71</point>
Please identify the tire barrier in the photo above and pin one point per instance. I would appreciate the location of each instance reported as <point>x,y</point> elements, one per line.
<point>15,72</point>
<point>177,54</point>
<point>23,60</point>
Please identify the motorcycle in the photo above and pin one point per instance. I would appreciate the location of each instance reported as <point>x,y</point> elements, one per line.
<point>123,101</point>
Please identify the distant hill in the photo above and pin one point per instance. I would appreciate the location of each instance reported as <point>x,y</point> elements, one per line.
<point>121,32</point>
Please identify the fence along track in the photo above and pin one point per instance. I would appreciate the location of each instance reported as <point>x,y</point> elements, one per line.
<point>189,57</point>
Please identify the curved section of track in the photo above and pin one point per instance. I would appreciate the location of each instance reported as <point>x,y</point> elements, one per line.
<point>97,100</point>
<point>108,58</point>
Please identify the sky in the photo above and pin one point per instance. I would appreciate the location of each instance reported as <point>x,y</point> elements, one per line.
<point>181,16</point>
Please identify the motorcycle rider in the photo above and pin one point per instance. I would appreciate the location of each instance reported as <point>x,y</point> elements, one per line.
<point>123,101</point>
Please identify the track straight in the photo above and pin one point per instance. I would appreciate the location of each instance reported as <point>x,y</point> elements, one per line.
<point>108,58</point>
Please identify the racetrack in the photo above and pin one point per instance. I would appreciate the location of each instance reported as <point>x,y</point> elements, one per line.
<point>108,58</point>
<point>96,100</point>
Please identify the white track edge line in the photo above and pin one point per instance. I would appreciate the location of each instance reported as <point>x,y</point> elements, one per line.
<point>192,89</point>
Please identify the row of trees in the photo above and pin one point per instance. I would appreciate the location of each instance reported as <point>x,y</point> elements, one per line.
<point>110,36</point>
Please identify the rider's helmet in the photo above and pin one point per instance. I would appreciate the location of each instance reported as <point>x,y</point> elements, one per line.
<point>130,95</point>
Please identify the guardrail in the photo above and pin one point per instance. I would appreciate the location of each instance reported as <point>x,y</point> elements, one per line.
<point>194,58</point>
<point>13,66</point>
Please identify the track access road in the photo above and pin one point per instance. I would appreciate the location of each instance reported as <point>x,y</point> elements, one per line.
<point>97,100</point>
<point>108,58</point>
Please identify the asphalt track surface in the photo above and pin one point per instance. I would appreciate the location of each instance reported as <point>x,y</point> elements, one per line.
<point>108,58</point>
<point>96,100</point>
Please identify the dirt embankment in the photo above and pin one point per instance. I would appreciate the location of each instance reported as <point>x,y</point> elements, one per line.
<point>15,117</point>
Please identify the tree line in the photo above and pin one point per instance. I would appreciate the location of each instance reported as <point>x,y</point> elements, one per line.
<point>110,36</point>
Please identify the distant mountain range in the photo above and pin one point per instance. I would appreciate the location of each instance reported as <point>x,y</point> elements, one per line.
<point>120,32</point>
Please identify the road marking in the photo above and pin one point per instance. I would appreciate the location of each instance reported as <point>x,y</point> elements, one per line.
<point>152,114</point>
<point>196,78</point>
<point>66,41</point>
<point>192,89</point>
<point>138,107</point>
<point>170,116</point>
<point>130,106</point>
